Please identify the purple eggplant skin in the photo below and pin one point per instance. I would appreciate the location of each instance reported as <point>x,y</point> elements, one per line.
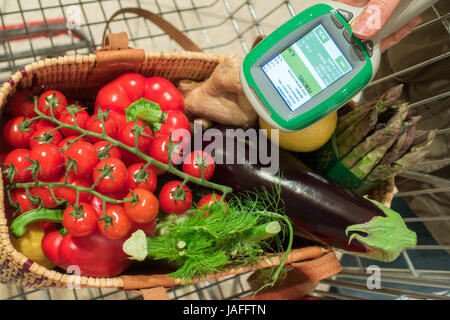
<point>314,204</point>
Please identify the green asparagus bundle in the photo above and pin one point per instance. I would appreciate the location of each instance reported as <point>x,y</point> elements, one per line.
<point>379,139</point>
<point>381,105</point>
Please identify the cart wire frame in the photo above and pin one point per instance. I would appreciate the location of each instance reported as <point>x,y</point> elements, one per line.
<point>31,30</point>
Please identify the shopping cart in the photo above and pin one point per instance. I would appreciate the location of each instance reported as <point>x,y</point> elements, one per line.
<point>34,29</point>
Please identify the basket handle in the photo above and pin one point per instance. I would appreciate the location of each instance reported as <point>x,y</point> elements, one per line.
<point>186,43</point>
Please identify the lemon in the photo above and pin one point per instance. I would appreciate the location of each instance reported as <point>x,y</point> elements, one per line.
<point>308,139</point>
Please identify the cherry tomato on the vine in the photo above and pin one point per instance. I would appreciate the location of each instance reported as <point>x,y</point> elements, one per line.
<point>80,117</point>
<point>127,135</point>
<point>209,199</point>
<point>69,194</point>
<point>159,150</point>
<point>44,106</point>
<point>17,132</point>
<point>49,158</point>
<point>84,155</point>
<point>176,120</point>
<point>94,124</point>
<point>115,224</point>
<point>80,221</point>
<point>67,141</point>
<point>48,134</point>
<point>138,177</point>
<point>21,198</point>
<point>22,103</point>
<point>194,162</point>
<point>144,208</point>
<point>19,158</point>
<point>115,178</point>
<point>175,199</point>
<point>100,147</point>
<point>45,196</point>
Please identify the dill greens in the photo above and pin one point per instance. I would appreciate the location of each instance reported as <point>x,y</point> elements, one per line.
<point>207,240</point>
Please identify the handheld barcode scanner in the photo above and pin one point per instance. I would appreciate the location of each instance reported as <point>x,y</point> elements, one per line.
<point>313,64</point>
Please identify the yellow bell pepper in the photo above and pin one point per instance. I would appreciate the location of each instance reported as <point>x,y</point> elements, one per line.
<point>30,245</point>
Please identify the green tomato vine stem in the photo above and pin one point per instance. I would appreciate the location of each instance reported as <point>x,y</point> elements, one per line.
<point>79,189</point>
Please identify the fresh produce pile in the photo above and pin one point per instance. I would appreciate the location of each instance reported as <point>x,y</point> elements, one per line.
<point>377,140</point>
<point>101,186</point>
<point>80,181</point>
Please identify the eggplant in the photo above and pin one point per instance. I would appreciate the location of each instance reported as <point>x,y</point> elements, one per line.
<point>319,208</point>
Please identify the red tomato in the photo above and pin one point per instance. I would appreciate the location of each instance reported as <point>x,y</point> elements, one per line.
<point>175,120</point>
<point>114,181</point>
<point>81,118</point>
<point>85,157</point>
<point>194,161</point>
<point>140,178</point>
<point>114,152</point>
<point>69,194</point>
<point>19,159</point>
<point>44,102</point>
<point>41,123</point>
<point>159,150</point>
<point>22,104</point>
<point>95,124</point>
<point>173,199</point>
<point>20,197</point>
<point>146,207</point>
<point>209,199</point>
<point>50,160</point>
<point>81,221</point>
<point>44,132</point>
<point>127,136</point>
<point>164,93</point>
<point>45,195</point>
<point>115,224</point>
<point>65,141</point>
<point>97,204</point>
<point>16,136</point>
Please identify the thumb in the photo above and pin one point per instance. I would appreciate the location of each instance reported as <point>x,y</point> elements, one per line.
<point>374,17</point>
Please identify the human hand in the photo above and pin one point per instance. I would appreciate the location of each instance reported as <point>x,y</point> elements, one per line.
<point>375,16</point>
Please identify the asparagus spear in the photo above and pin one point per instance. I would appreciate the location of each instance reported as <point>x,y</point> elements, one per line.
<point>360,132</point>
<point>349,131</point>
<point>380,137</point>
<point>403,143</point>
<point>364,166</point>
<point>417,152</point>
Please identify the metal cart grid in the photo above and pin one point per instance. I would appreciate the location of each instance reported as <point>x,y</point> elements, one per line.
<point>36,29</point>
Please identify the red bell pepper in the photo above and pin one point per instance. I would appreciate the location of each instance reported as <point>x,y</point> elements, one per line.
<point>94,255</point>
<point>120,93</point>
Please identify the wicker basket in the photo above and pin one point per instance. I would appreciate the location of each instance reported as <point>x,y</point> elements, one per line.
<point>81,76</point>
